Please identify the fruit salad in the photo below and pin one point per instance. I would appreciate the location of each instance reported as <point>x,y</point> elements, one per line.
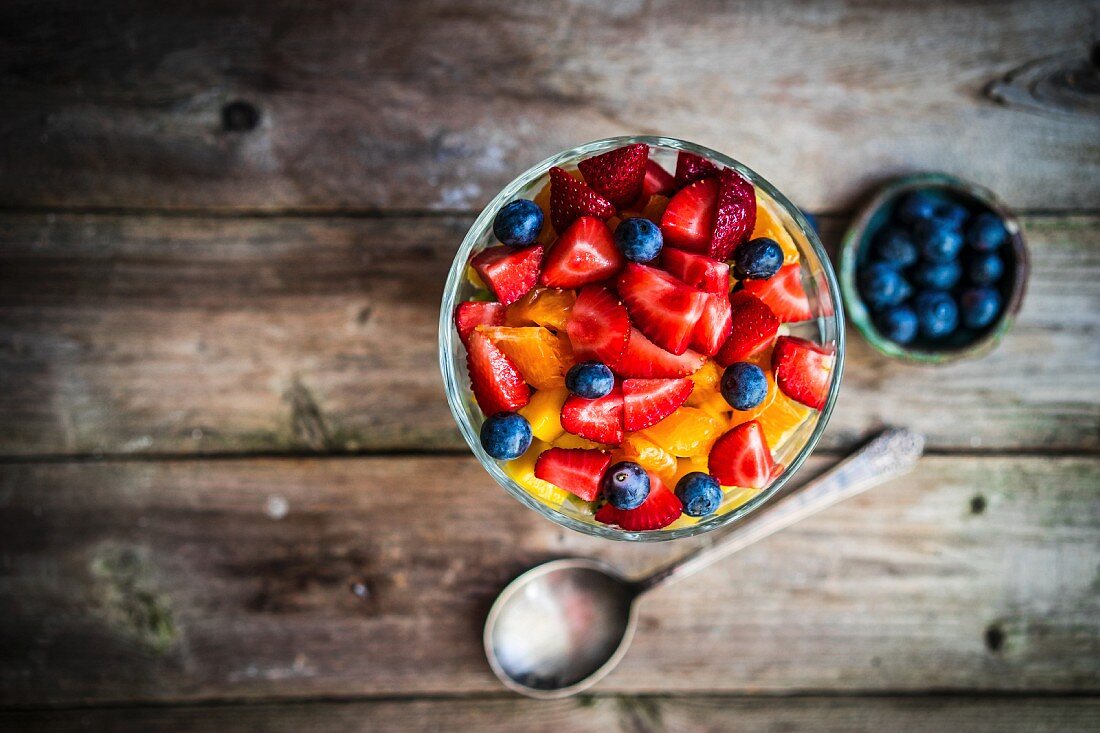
<point>632,341</point>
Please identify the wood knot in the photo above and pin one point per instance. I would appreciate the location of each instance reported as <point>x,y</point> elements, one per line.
<point>240,116</point>
<point>994,638</point>
<point>1067,83</point>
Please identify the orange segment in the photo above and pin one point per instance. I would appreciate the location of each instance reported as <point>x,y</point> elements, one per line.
<point>706,382</point>
<point>684,466</point>
<point>769,225</point>
<point>781,419</point>
<point>568,440</point>
<point>542,199</point>
<point>648,455</point>
<point>543,411</point>
<point>687,432</point>
<point>540,356</point>
<point>547,307</point>
<point>655,208</point>
<point>738,416</point>
<point>522,471</point>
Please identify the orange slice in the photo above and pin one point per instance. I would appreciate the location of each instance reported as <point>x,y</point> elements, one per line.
<point>541,357</point>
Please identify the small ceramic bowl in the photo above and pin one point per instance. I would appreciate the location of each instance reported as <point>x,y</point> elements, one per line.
<point>854,250</point>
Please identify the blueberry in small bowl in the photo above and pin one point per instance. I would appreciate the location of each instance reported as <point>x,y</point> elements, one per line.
<point>933,269</point>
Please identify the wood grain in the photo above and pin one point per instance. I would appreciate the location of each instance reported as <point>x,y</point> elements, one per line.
<point>273,578</point>
<point>415,105</point>
<point>593,715</point>
<point>182,335</point>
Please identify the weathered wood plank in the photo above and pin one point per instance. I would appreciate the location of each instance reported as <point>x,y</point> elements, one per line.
<point>182,335</point>
<point>427,105</point>
<point>595,715</point>
<point>172,581</point>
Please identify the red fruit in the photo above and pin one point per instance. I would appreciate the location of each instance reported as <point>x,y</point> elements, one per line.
<point>648,401</point>
<point>783,293</point>
<point>598,326</point>
<point>741,457</point>
<point>577,470</point>
<point>509,272</point>
<point>584,253</point>
<point>571,199</point>
<point>657,180</point>
<point>698,271</point>
<point>714,326</point>
<point>600,419</point>
<point>802,370</point>
<point>646,360</point>
<point>689,217</point>
<point>691,167</point>
<point>736,214</point>
<point>754,327</point>
<point>498,384</point>
<point>617,175</point>
<point>473,313</point>
<point>663,308</point>
<point>660,509</point>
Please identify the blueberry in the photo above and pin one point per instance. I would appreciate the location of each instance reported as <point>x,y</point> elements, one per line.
<point>518,223</point>
<point>951,213</point>
<point>699,493</point>
<point>899,324</point>
<point>757,259</point>
<point>987,232</point>
<point>938,240</point>
<point>896,247</point>
<point>744,385</point>
<point>639,239</point>
<point>625,485</point>
<point>918,206</point>
<point>937,314</point>
<point>590,379</point>
<point>883,286</point>
<point>937,275</point>
<point>980,307</point>
<point>985,268</point>
<point>506,435</point>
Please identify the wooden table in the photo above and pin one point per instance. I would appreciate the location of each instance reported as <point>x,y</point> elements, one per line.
<point>232,497</point>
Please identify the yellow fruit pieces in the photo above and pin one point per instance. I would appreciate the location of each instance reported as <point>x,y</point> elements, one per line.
<point>781,419</point>
<point>769,225</point>
<point>687,432</point>
<point>639,449</point>
<point>568,440</point>
<point>547,307</point>
<point>541,356</point>
<point>522,471</point>
<point>543,411</point>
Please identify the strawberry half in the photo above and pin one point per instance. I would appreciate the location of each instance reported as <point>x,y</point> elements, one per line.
<point>474,313</point>
<point>663,308</point>
<point>571,199</point>
<point>509,272</point>
<point>688,220</point>
<point>802,370</point>
<point>600,419</point>
<point>648,401</point>
<point>644,359</point>
<point>657,181</point>
<point>714,326</point>
<point>577,470</point>
<point>691,167</point>
<point>617,175</point>
<point>497,383</point>
<point>736,214</point>
<point>660,509</point>
<point>754,327</point>
<point>698,271</point>
<point>598,326</point>
<point>741,457</point>
<point>584,253</point>
<point>783,293</point>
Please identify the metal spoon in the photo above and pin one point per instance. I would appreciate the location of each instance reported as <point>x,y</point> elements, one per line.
<point>560,627</point>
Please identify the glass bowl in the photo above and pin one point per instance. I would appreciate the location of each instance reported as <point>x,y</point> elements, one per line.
<point>819,281</point>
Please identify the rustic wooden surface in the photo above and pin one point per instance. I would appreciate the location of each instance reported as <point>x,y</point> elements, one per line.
<point>223,233</point>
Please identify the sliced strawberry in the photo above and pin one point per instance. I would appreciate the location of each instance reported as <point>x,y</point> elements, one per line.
<point>474,313</point>
<point>802,370</point>
<point>714,326</point>
<point>698,271</point>
<point>644,359</point>
<point>691,167</point>
<point>754,327</point>
<point>657,181</point>
<point>648,401</point>
<point>741,457</point>
<point>783,293</point>
<point>598,326</point>
<point>663,308</point>
<point>584,253</point>
<point>617,175</point>
<point>600,419</point>
<point>660,509</point>
<point>570,199</point>
<point>577,470</point>
<point>509,272</point>
<point>689,217</point>
<point>736,215</point>
<point>497,383</point>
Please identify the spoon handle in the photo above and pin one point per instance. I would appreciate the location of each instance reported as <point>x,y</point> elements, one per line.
<point>892,453</point>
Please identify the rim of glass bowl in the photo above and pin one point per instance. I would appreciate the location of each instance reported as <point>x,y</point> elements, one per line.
<point>455,385</point>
